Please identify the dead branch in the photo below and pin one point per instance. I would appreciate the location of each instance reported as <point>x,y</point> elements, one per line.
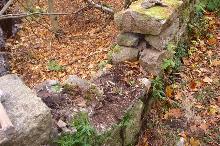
<point>6,6</point>
<point>100,7</point>
<point>22,15</point>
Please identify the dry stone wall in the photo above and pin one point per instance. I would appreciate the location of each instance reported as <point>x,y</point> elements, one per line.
<point>147,28</point>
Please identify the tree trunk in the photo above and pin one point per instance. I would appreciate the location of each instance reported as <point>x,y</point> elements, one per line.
<point>53,18</point>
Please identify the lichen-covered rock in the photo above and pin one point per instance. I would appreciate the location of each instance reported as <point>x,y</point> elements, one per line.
<point>133,125</point>
<point>152,20</point>
<point>29,115</point>
<point>121,53</point>
<point>160,41</point>
<point>152,59</point>
<point>128,39</point>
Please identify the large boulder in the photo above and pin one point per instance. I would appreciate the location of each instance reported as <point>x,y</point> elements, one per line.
<point>151,20</point>
<point>121,53</point>
<point>152,59</point>
<point>128,39</point>
<point>29,115</point>
<point>160,41</point>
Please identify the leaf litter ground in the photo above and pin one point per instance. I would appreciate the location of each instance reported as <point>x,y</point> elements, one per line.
<point>84,42</point>
<point>191,112</point>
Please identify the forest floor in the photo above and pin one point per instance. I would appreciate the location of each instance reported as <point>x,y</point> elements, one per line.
<point>191,111</point>
<point>37,55</point>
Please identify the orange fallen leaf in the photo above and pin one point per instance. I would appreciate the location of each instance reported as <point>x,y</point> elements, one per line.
<point>169,91</point>
<point>212,41</point>
<point>192,85</point>
<point>194,142</point>
<point>216,62</point>
<point>174,112</point>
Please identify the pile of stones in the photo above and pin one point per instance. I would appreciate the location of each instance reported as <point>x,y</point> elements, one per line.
<point>147,28</point>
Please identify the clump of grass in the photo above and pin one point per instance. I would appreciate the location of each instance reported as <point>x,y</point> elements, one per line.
<point>53,65</point>
<point>85,135</point>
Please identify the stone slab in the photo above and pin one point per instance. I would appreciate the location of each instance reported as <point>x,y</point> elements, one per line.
<point>30,116</point>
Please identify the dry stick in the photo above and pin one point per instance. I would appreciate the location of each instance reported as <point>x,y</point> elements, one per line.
<point>100,7</point>
<point>6,6</point>
<point>22,15</point>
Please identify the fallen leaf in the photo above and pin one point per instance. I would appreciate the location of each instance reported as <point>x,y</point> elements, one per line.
<point>204,127</point>
<point>213,109</point>
<point>175,112</point>
<point>207,80</point>
<point>178,95</point>
<point>192,85</point>
<point>194,142</point>
<point>169,91</point>
<point>216,62</point>
<point>212,41</point>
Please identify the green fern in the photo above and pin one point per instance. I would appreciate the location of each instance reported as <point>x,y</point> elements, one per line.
<point>158,88</point>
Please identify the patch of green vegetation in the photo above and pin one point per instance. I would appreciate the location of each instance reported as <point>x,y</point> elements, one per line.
<point>126,120</point>
<point>53,65</point>
<point>85,136</point>
<point>114,49</point>
<point>56,88</point>
<point>168,64</point>
<point>158,88</point>
<point>102,64</point>
<point>181,51</point>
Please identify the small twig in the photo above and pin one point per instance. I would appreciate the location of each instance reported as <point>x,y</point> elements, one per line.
<point>100,7</point>
<point>6,7</point>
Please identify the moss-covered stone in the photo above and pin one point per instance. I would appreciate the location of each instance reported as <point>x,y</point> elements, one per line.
<point>152,20</point>
<point>133,126</point>
<point>157,12</point>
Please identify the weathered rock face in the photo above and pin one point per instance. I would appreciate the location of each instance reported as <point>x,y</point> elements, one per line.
<point>160,41</point>
<point>153,20</point>
<point>77,81</point>
<point>30,116</point>
<point>121,53</point>
<point>128,39</point>
<point>151,59</point>
<point>126,132</point>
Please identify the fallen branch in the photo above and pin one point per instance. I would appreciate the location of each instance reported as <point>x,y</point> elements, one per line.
<point>22,15</point>
<point>6,7</point>
<point>100,7</point>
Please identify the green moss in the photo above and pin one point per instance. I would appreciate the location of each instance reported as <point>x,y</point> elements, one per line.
<point>157,12</point>
<point>116,49</point>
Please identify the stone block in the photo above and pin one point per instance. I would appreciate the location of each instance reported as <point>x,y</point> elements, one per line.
<point>160,41</point>
<point>30,116</point>
<point>121,53</point>
<point>128,39</point>
<point>152,59</point>
<point>151,20</point>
